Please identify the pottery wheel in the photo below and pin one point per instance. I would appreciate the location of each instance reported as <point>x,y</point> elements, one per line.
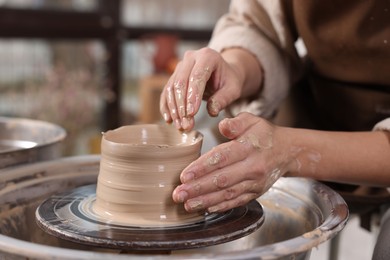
<point>66,216</point>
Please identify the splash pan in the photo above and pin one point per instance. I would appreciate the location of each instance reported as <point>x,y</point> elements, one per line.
<point>26,141</point>
<point>299,214</point>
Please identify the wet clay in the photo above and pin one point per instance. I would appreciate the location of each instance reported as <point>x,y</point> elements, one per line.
<point>139,169</point>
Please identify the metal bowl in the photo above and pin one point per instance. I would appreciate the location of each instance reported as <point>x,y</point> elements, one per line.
<point>299,214</point>
<point>26,140</point>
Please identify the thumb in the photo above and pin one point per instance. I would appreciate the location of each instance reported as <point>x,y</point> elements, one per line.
<point>232,128</point>
<point>222,98</point>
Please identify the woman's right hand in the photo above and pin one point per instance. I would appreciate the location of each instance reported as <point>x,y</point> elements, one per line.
<point>202,74</point>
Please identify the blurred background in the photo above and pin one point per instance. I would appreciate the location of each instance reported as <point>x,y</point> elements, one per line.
<point>93,65</point>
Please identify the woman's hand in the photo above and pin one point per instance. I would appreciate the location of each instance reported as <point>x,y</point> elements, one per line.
<point>238,171</point>
<point>206,74</point>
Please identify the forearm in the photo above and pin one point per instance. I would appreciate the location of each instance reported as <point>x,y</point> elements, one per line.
<point>247,67</point>
<point>353,157</point>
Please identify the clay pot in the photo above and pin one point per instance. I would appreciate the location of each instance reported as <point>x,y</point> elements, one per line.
<point>139,169</point>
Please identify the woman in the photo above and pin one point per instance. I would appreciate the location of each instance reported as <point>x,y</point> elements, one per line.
<point>247,70</point>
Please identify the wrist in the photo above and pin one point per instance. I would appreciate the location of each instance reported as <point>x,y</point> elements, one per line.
<point>295,156</point>
<point>284,150</point>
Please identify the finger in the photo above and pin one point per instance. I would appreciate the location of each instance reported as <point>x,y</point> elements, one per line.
<point>233,128</point>
<point>218,180</point>
<point>200,75</point>
<point>170,97</point>
<point>164,109</point>
<point>226,90</point>
<point>188,123</point>
<point>171,103</point>
<point>180,86</point>
<point>179,90</point>
<point>225,199</point>
<point>204,176</point>
<point>220,156</point>
<point>221,99</point>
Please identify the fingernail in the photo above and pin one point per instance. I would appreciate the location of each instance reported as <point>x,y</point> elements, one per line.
<point>195,205</point>
<point>182,196</point>
<point>213,107</point>
<point>186,177</point>
<point>185,123</point>
<point>213,209</point>
<point>177,124</point>
<point>166,117</point>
